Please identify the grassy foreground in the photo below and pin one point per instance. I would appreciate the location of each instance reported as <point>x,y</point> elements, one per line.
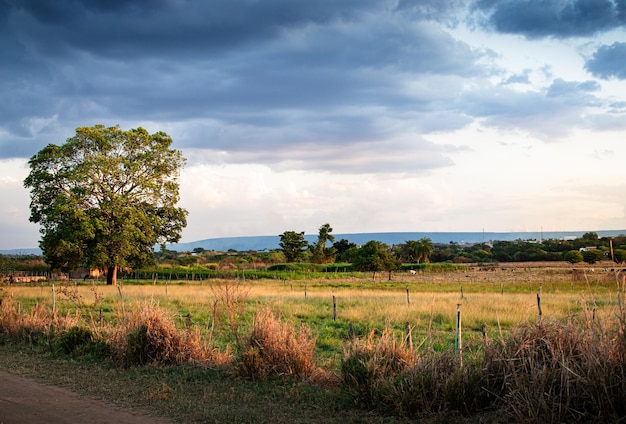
<point>190,394</point>
<point>325,350</point>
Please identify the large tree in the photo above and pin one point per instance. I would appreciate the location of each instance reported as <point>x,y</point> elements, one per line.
<point>293,245</point>
<point>374,256</point>
<point>105,198</point>
<point>342,249</point>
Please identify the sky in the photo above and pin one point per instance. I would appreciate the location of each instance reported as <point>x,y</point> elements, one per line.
<point>370,115</point>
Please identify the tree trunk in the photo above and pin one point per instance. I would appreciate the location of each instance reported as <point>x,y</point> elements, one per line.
<point>112,275</point>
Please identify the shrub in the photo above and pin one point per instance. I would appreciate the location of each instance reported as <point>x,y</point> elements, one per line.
<point>573,256</point>
<point>73,340</point>
<point>277,348</point>
<point>150,336</point>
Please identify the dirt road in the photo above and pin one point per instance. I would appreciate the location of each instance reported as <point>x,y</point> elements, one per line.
<point>24,400</point>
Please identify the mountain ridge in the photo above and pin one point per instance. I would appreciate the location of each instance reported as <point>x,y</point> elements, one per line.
<point>260,243</point>
<point>272,242</point>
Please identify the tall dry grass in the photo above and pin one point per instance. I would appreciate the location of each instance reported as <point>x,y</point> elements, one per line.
<point>551,371</point>
<point>148,335</point>
<point>559,372</point>
<point>277,348</point>
<point>35,327</point>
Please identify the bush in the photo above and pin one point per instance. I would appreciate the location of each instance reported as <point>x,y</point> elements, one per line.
<point>73,340</point>
<point>573,256</point>
<point>80,342</point>
<point>277,348</point>
<point>150,336</point>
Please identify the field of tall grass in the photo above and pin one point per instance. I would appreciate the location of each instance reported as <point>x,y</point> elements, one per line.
<point>532,342</point>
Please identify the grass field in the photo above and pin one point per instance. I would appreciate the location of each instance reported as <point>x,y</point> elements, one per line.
<point>498,299</point>
<point>337,317</point>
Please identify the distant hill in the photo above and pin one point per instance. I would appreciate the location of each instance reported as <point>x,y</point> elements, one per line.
<point>259,243</point>
<point>22,252</point>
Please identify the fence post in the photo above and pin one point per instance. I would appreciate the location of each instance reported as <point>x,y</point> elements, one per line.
<point>54,301</point>
<point>351,332</point>
<point>408,300</point>
<point>305,289</point>
<point>334,307</point>
<point>408,338</point>
<point>538,308</point>
<point>458,345</point>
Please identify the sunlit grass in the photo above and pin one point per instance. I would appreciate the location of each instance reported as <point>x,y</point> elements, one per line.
<point>493,301</point>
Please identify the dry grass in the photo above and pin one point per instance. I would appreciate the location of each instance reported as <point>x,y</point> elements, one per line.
<point>558,372</point>
<point>34,327</point>
<point>277,348</point>
<point>371,362</point>
<point>148,335</point>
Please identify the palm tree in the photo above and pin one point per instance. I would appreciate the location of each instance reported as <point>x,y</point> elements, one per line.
<point>424,249</point>
<point>321,253</point>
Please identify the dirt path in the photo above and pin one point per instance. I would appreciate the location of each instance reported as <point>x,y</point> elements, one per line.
<point>24,400</point>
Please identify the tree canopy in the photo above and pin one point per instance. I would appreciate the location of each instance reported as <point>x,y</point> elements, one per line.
<point>322,253</point>
<point>106,197</point>
<point>293,245</point>
<point>374,256</point>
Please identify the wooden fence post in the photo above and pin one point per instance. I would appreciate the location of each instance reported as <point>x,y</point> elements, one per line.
<point>538,308</point>
<point>408,337</point>
<point>334,307</point>
<point>54,301</point>
<point>458,345</point>
<point>408,300</point>
<point>351,332</point>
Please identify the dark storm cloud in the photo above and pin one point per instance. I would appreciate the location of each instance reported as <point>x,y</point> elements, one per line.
<point>261,80</point>
<point>132,29</point>
<point>608,62</point>
<point>239,76</point>
<point>552,18</point>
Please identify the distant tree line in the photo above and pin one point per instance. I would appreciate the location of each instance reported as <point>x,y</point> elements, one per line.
<point>589,248</point>
<point>375,256</point>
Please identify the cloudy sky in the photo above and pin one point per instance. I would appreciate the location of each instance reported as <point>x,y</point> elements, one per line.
<point>371,115</point>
